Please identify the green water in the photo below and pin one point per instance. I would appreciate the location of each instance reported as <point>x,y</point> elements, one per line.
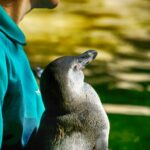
<point>120,31</point>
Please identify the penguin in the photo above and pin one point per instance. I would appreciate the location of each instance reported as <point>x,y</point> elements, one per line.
<point>74,117</point>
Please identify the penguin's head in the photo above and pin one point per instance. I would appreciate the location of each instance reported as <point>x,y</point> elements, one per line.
<point>61,75</point>
<point>75,76</point>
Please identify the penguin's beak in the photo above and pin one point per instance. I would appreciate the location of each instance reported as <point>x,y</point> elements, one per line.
<point>87,57</point>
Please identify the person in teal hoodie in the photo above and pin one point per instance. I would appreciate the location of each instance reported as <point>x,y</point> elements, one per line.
<point>21,105</point>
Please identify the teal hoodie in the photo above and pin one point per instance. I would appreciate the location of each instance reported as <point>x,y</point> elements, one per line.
<point>21,104</point>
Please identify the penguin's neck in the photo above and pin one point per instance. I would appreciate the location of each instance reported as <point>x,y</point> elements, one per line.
<point>73,90</point>
<point>74,83</point>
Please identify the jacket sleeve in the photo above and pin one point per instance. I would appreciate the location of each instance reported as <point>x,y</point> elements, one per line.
<point>3,83</point>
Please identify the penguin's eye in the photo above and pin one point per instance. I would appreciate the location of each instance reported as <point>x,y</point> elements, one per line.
<point>78,67</point>
<point>75,67</point>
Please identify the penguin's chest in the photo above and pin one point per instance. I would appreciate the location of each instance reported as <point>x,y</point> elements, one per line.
<point>91,123</point>
<point>76,131</point>
<point>73,141</point>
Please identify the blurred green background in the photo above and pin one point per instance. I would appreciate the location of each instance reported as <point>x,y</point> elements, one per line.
<point>120,31</point>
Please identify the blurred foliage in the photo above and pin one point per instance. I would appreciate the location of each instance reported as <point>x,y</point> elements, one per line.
<point>118,30</point>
